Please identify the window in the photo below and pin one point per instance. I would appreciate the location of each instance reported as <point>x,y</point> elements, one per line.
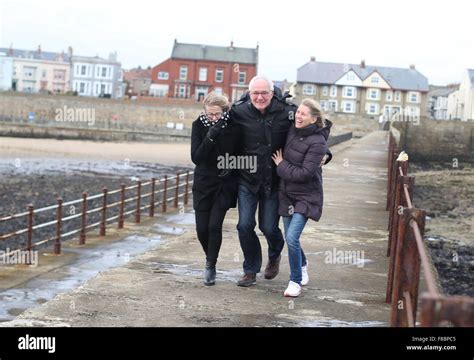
<point>218,90</point>
<point>324,105</point>
<point>82,87</point>
<point>332,105</point>
<point>163,75</point>
<point>372,109</point>
<point>373,94</point>
<point>182,90</point>
<point>309,89</point>
<point>102,88</point>
<point>398,96</point>
<point>348,106</point>
<point>203,74</point>
<point>242,77</point>
<point>83,70</point>
<point>413,97</point>
<point>389,95</point>
<point>45,73</point>
<point>104,72</point>
<point>325,90</point>
<point>349,92</point>
<point>333,91</point>
<point>375,80</point>
<point>350,76</point>
<point>183,72</point>
<point>219,75</point>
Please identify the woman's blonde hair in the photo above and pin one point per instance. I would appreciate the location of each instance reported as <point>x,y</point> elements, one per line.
<point>213,99</point>
<point>314,110</point>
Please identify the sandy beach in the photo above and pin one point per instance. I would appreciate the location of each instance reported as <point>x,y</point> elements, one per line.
<point>171,154</point>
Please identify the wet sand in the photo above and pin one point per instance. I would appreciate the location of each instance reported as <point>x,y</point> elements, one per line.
<point>176,154</point>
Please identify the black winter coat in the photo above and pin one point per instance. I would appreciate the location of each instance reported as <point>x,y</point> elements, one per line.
<point>301,188</point>
<point>262,135</point>
<point>212,184</point>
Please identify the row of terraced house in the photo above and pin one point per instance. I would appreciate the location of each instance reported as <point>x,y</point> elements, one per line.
<point>38,71</point>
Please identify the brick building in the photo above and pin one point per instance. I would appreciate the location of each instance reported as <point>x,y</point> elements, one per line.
<point>194,70</point>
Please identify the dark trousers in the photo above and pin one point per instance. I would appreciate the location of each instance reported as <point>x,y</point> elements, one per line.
<point>209,231</point>
<point>268,220</point>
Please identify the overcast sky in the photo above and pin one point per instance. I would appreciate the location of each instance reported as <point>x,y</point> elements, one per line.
<point>436,36</point>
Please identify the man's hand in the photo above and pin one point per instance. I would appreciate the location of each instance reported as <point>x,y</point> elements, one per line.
<point>323,161</point>
<point>277,157</point>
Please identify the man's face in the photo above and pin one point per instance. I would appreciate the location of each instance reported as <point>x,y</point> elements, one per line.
<point>261,95</point>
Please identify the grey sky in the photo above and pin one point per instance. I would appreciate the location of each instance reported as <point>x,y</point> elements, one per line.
<point>436,36</point>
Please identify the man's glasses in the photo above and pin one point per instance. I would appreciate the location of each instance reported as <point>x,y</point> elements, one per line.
<point>262,93</point>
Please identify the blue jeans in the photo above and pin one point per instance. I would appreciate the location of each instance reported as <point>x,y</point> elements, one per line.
<point>294,226</point>
<point>268,220</point>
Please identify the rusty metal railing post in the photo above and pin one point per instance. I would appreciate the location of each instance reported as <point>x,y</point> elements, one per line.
<point>407,269</point>
<point>176,191</point>
<point>104,213</point>
<point>122,206</point>
<point>139,198</point>
<point>59,215</point>
<point>31,214</point>
<point>82,238</point>
<point>165,190</point>
<point>393,180</point>
<point>152,198</point>
<point>395,202</point>
<point>428,310</point>
<point>394,238</point>
<point>389,168</point>
<point>186,190</point>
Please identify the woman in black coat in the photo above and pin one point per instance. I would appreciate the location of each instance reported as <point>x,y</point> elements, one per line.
<point>213,139</point>
<point>301,185</point>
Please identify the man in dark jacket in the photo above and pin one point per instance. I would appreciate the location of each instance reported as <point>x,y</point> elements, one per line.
<point>264,118</point>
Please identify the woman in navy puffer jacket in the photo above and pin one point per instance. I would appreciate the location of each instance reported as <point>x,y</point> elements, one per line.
<point>301,184</point>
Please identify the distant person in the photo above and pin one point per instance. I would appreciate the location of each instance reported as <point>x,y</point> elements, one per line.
<point>301,186</point>
<point>214,187</point>
<point>264,117</point>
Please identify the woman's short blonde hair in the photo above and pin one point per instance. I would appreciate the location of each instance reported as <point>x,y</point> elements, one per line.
<point>213,99</point>
<point>314,110</point>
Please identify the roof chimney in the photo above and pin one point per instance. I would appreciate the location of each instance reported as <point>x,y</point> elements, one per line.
<point>362,64</point>
<point>412,66</point>
<point>231,45</point>
<point>70,51</point>
<point>313,59</point>
<point>39,49</point>
<point>10,51</point>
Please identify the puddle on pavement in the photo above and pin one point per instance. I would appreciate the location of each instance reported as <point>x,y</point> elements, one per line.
<point>186,270</point>
<point>170,230</point>
<point>340,323</point>
<point>90,262</point>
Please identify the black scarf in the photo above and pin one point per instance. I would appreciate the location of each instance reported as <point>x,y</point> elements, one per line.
<point>208,123</point>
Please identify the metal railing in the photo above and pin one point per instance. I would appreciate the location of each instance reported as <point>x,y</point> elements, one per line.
<point>408,255</point>
<point>181,189</point>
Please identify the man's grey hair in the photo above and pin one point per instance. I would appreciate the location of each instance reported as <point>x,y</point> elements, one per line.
<point>261,77</point>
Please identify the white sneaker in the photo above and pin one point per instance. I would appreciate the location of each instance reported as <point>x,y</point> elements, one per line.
<point>304,274</point>
<point>293,290</point>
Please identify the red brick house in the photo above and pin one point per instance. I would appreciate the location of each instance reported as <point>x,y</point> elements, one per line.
<point>194,70</point>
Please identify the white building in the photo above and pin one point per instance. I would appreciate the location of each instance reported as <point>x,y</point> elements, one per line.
<point>438,102</point>
<point>97,77</point>
<point>6,72</point>
<point>461,102</point>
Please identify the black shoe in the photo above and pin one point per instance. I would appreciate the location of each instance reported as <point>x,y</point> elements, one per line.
<point>247,280</point>
<point>210,277</point>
